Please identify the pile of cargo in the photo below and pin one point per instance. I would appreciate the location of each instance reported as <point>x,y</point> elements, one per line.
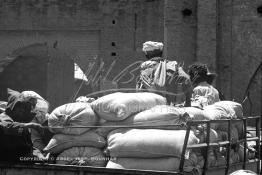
<point>75,145</point>
<point>123,137</point>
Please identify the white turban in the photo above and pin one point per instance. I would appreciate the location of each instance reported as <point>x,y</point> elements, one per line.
<point>151,46</point>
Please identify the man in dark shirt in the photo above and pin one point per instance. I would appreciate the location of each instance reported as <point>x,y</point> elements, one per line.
<point>16,145</point>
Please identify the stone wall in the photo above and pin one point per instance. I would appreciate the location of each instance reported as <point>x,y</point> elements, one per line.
<point>226,35</point>
<point>127,24</point>
<point>240,50</point>
<point>104,32</point>
<point>181,30</point>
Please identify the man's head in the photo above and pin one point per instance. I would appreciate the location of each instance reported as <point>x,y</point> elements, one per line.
<point>19,107</point>
<point>199,73</point>
<point>153,49</point>
<point>22,112</point>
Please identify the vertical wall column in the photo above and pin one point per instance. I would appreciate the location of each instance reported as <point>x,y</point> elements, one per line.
<point>207,22</point>
<point>214,40</point>
<point>180,27</point>
<point>225,45</point>
<point>191,31</point>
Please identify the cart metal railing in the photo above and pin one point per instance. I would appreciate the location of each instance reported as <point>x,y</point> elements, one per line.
<point>204,146</point>
<point>207,145</point>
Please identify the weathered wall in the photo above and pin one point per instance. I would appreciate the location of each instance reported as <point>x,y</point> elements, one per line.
<point>240,51</point>
<point>101,31</point>
<point>191,31</point>
<point>21,74</point>
<point>60,78</point>
<point>127,24</point>
<point>207,24</point>
<point>224,34</point>
<point>82,46</point>
<point>181,30</point>
<point>50,15</point>
<point>75,25</point>
<point>42,69</point>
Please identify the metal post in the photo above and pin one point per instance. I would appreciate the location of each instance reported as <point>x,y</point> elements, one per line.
<point>245,142</point>
<point>181,166</point>
<point>258,142</point>
<point>228,147</point>
<point>207,148</point>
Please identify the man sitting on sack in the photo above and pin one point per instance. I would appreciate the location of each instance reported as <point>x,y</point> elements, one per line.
<point>164,77</point>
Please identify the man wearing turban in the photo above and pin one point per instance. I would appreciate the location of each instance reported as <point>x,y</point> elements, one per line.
<point>164,77</point>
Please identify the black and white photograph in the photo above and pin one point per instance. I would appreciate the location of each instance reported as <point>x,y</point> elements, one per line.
<point>130,87</point>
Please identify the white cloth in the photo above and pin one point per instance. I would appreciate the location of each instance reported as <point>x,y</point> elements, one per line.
<point>204,94</point>
<point>151,45</point>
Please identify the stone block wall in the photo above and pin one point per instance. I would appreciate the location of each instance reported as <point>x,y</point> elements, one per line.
<point>226,36</point>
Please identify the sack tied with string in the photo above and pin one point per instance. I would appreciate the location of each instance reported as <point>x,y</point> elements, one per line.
<point>72,115</point>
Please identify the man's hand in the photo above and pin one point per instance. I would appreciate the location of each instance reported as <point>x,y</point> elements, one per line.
<point>35,126</point>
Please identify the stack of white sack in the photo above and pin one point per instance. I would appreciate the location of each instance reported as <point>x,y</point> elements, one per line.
<point>144,148</point>
<point>150,149</point>
<point>225,110</point>
<point>218,111</point>
<point>159,116</point>
<point>118,106</point>
<point>73,140</point>
<point>216,156</point>
<point>219,131</point>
